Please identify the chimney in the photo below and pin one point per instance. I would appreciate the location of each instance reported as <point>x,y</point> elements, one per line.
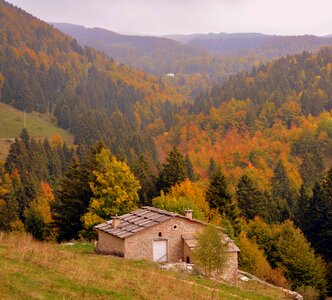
<point>116,221</point>
<point>188,213</point>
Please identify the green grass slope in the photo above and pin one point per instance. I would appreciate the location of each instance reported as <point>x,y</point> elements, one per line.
<point>34,270</point>
<point>39,126</point>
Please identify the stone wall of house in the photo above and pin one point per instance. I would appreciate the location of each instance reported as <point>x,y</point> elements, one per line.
<point>109,244</point>
<point>230,271</point>
<point>139,245</point>
<point>187,253</point>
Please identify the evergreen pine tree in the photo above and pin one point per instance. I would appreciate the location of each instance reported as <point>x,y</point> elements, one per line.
<point>312,167</point>
<point>146,179</point>
<point>251,201</point>
<point>172,172</point>
<point>319,226</point>
<point>25,138</point>
<point>282,192</point>
<point>219,197</point>
<point>213,167</point>
<point>303,203</point>
<point>73,195</point>
<point>189,168</point>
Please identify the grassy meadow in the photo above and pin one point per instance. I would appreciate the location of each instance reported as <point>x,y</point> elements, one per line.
<point>35,270</point>
<point>39,126</point>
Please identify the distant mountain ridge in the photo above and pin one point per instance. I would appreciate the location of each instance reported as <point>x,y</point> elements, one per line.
<point>240,44</point>
<point>185,38</point>
<point>213,56</point>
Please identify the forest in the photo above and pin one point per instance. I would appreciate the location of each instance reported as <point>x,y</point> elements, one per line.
<point>251,153</point>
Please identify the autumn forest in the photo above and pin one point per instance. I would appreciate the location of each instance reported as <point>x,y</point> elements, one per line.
<point>242,135</point>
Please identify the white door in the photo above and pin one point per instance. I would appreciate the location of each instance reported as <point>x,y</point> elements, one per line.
<point>160,251</point>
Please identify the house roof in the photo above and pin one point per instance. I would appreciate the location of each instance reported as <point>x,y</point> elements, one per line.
<point>136,221</point>
<point>139,220</point>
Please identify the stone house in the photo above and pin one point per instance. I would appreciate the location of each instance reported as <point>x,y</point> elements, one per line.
<point>158,235</point>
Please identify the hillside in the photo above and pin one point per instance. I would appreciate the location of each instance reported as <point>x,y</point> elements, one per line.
<point>38,125</point>
<point>282,110</point>
<point>74,271</point>
<point>85,90</point>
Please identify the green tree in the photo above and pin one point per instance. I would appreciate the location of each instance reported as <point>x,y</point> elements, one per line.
<point>189,168</point>
<point>303,203</point>
<point>298,259</point>
<point>73,195</point>
<point>213,167</point>
<point>286,247</point>
<point>115,191</point>
<point>312,167</point>
<point>173,171</point>
<point>146,179</point>
<point>210,254</point>
<point>219,197</point>
<point>319,216</point>
<point>282,192</point>
<point>251,201</point>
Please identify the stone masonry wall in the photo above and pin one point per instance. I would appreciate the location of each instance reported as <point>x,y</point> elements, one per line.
<point>139,245</point>
<point>230,271</point>
<point>109,244</point>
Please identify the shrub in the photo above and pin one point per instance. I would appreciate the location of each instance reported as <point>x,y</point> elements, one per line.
<point>211,252</point>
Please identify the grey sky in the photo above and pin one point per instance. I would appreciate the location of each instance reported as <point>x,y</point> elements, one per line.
<point>157,17</point>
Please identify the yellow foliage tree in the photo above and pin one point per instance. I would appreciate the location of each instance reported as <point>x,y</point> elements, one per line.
<point>185,195</point>
<point>115,191</point>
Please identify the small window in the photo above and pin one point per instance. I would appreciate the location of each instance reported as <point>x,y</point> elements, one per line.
<point>188,260</point>
<point>160,234</point>
<point>175,227</point>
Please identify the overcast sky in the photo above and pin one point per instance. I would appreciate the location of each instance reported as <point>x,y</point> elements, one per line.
<point>159,17</point>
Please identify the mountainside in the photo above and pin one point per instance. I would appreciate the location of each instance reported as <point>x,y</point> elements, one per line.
<point>279,111</point>
<point>42,70</point>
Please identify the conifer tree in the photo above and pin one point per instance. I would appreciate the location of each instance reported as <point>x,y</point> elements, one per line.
<point>172,172</point>
<point>282,192</point>
<point>312,167</point>
<point>73,195</point>
<point>303,203</point>
<point>319,226</point>
<point>213,167</point>
<point>25,138</point>
<point>189,168</point>
<point>219,197</point>
<point>251,201</point>
<point>146,179</point>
